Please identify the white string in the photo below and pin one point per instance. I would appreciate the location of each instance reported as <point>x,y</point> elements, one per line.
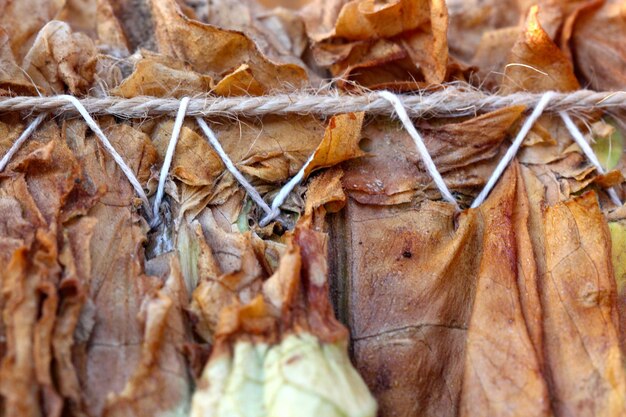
<point>272,212</point>
<point>20,141</point>
<point>110,149</point>
<point>580,140</point>
<point>512,151</point>
<point>252,192</point>
<point>284,193</point>
<point>167,162</point>
<point>419,144</point>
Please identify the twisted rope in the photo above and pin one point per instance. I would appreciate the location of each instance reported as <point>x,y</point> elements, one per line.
<point>450,101</point>
<point>447,102</point>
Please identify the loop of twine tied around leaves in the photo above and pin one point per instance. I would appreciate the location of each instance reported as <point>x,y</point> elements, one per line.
<point>447,102</point>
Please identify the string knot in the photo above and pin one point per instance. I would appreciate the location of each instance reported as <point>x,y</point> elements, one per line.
<point>270,216</point>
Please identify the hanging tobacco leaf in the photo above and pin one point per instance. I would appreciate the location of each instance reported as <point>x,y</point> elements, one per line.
<point>368,295</point>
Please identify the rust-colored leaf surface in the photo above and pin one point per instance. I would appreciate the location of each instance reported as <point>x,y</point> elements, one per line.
<point>398,44</point>
<point>367,295</point>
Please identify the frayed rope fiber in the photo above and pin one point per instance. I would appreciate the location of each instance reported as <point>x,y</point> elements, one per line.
<point>447,102</point>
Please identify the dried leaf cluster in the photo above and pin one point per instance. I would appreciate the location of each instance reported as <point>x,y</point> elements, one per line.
<point>368,295</point>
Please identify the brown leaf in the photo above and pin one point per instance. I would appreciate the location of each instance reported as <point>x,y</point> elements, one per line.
<point>324,194</point>
<point>536,64</point>
<point>409,308</point>
<point>60,59</point>
<point>97,19</point>
<point>278,33</point>
<point>110,33</point>
<point>477,330</point>
<point>474,21</point>
<point>117,284</point>
<point>75,259</point>
<point>195,162</point>
<point>273,149</point>
<point>12,79</point>
<point>41,179</point>
<point>22,20</point>
<point>227,269</point>
<point>596,33</point>
<point>492,54</point>
<point>399,44</point>
<point>216,52</point>
<point>340,142</point>
<point>133,145</point>
<point>366,19</point>
<point>503,375</point>
<point>464,152</point>
<point>161,382</point>
<point>162,76</point>
<point>80,15</point>
<point>24,371</point>
<point>136,21</point>
<point>582,350</point>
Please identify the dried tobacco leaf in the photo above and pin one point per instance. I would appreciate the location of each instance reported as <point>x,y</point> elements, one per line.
<point>43,187</point>
<point>464,152</point>
<point>408,308</point>
<point>511,309</point>
<point>60,58</point>
<point>269,151</point>
<point>419,317</point>
<point>227,271</point>
<point>274,149</point>
<point>582,350</point>
<point>398,44</point>
<point>284,349</point>
<point>161,383</point>
<point>26,360</point>
<point>549,148</point>
<point>75,259</point>
<point>596,34</point>
<point>158,76</point>
<point>340,142</point>
<point>195,162</point>
<point>111,36</point>
<point>218,52</point>
<point>23,19</point>
<point>483,34</point>
<point>506,302</point>
<point>111,348</point>
<point>474,22</point>
<point>12,78</point>
<point>278,32</point>
<point>618,254</point>
<point>536,63</point>
<point>324,195</point>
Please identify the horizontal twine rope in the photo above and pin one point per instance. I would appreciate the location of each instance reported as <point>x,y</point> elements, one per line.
<point>183,109</point>
<point>449,101</point>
